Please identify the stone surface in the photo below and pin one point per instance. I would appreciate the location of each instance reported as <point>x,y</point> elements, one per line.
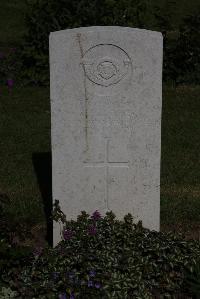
<point>106,98</point>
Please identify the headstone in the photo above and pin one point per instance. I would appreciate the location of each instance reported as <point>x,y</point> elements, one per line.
<point>106,98</point>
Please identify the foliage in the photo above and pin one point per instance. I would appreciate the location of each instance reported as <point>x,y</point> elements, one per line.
<point>163,17</point>
<point>30,63</point>
<point>192,280</point>
<point>189,41</point>
<point>45,16</point>
<point>7,293</point>
<point>105,258</point>
<point>182,56</point>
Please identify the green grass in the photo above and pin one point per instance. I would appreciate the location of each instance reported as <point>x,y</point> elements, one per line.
<point>25,128</point>
<point>180,155</point>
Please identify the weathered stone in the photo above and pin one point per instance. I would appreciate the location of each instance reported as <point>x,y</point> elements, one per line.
<point>106,97</point>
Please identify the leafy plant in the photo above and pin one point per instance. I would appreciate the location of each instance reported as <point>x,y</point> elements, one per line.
<point>45,16</point>
<point>7,293</point>
<point>105,258</point>
<point>30,62</point>
<point>192,279</point>
<point>182,56</point>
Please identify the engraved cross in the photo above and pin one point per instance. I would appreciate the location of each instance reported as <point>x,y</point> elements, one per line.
<point>107,164</point>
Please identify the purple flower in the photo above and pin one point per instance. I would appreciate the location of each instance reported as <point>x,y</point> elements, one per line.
<point>97,285</point>
<point>55,275</point>
<point>62,296</point>
<point>92,273</point>
<point>14,239</point>
<point>96,215</point>
<point>72,296</point>
<point>90,283</point>
<point>10,83</point>
<point>92,230</point>
<point>37,251</point>
<point>71,275</point>
<point>67,234</point>
<point>73,279</point>
<point>1,55</point>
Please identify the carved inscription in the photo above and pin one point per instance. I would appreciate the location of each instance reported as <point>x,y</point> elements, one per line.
<point>106,64</point>
<point>107,164</point>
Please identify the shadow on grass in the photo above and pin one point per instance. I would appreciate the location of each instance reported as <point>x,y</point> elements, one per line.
<point>43,169</point>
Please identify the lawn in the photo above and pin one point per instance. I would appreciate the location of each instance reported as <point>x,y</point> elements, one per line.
<point>180,156</point>
<point>25,129</point>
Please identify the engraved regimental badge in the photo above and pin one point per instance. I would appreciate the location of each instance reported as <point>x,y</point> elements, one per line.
<point>106,65</point>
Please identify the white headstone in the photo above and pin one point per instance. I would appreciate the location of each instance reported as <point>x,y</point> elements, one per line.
<point>106,98</point>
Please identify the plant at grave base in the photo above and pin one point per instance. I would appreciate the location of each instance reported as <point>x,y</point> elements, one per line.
<point>192,279</point>
<point>7,293</point>
<point>105,258</point>
<point>57,214</point>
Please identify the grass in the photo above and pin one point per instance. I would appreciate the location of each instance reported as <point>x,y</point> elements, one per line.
<point>180,172</point>
<point>25,129</point>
